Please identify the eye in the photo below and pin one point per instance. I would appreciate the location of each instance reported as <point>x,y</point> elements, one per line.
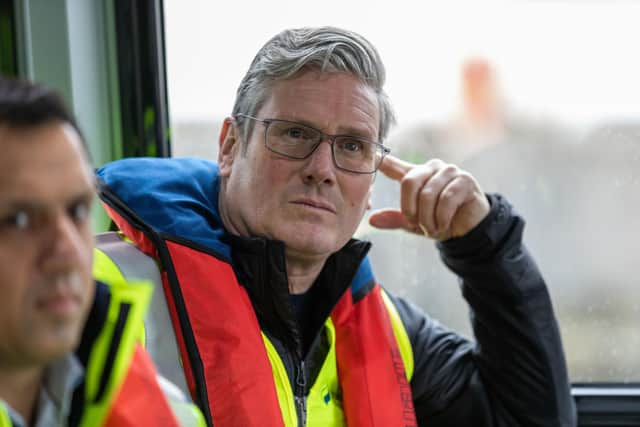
<point>294,132</point>
<point>19,220</point>
<point>298,133</point>
<point>352,146</point>
<point>79,211</point>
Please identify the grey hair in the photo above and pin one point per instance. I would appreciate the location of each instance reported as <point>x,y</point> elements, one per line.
<point>326,49</point>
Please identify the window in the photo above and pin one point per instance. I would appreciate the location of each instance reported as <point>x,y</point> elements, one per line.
<point>539,100</point>
<point>551,119</point>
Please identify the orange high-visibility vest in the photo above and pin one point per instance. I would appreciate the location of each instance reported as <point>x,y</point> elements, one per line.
<point>223,353</point>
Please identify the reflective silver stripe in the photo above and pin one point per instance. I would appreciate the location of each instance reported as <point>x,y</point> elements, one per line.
<point>161,342</point>
<point>187,414</point>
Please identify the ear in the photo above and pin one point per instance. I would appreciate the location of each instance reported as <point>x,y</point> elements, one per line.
<point>228,146</point>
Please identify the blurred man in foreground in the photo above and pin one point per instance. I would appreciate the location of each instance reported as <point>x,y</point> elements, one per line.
<point>49,302</point>
<point>276,310</point>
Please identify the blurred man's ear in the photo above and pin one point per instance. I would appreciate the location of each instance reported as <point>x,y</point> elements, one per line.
<point>228,146</point>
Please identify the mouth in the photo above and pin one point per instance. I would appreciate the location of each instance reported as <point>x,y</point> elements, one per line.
<point>62,297</point>
<point>59,304</point>
<point>316,205</point>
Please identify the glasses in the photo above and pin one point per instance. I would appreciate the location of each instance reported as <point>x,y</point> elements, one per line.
<point>298,141</point>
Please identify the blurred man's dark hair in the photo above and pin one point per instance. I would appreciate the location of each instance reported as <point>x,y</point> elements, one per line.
<point>24,104</point>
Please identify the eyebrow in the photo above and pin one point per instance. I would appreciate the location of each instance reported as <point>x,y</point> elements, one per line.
<point>29,205</point>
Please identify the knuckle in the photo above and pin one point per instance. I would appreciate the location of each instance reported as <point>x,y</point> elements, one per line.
<point>466,176</point>
<point>434,162</point>
<point>426,193</point>
<point>451,170</point>
<point>406,180</point>
<point>410,185</point>
<point>448,194</point>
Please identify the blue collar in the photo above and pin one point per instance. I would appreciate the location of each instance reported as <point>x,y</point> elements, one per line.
<point>179,197</point>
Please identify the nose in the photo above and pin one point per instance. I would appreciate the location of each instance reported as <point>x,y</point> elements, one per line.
<point>320,167</point>
<point>64,249</point>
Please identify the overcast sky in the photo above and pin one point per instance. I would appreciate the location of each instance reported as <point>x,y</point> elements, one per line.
<point>576,60</point>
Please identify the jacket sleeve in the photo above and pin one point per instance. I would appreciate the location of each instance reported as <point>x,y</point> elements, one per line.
<point>514,374</point>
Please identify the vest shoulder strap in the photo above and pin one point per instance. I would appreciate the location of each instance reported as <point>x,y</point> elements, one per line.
<point>376,391</point>
<point>112,350</point>
<point>139,394</point>
<point>400,333</point>
<point>5,418</point>
<point>121,260</point>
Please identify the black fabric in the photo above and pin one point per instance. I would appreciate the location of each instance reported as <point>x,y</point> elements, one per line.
<point>513,375</point>
<point>95,322</point>
<point>302,305</point>
<point>123,313</point>
<point>329,287</point>
<point>92,328</point>
<point>260,267</point>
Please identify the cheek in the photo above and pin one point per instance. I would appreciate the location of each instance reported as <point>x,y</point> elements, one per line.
<point>361,191</point>
<point>85,233</point>
<point>12,285</point>
<point>270,183</point>
<point>17,267</point>
<point>86,245</point>
<point>357,196</point>
<point>88,296</point>
<point>16,297</point>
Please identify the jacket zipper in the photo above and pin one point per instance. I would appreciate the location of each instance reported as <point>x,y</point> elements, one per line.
<point>300,394</point>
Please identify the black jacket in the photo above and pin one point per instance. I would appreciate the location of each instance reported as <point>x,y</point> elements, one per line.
<point>513,375</point>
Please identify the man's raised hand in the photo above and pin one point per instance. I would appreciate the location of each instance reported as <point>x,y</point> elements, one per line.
<point>436,199</point>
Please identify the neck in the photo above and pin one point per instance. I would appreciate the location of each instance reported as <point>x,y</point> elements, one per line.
<point>19,388</point>
<point>237,227</point>
<point>302,271</point>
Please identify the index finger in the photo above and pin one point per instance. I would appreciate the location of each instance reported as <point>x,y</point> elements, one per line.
<point>395,168</point>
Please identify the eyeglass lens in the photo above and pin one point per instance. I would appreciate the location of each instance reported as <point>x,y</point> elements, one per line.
<point>299,141</point>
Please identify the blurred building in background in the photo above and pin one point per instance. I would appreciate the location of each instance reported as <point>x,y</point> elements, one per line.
<point>573,192</point>
<point>197,138</point>
<point>484,120</point>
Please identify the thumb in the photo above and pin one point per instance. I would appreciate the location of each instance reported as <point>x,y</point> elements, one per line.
<point>390,219</point>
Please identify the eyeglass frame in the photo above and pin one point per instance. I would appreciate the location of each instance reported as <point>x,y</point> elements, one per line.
<point>325,137</point>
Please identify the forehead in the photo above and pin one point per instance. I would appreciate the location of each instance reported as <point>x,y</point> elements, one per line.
<point>332,102</point>
<point>43,164</point>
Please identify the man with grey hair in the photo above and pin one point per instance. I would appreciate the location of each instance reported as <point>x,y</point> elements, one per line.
<point>276,311</point>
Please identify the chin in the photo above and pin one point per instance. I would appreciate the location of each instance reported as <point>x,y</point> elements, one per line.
<point>317,245</point>
<point>61,341</point>
<point>47,353</point>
